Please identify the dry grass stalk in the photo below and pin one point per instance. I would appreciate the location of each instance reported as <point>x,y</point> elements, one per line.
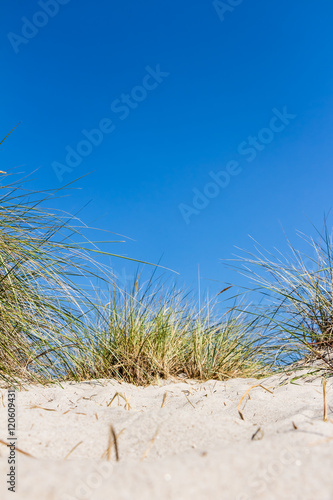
<point>150,445</point>
<point>107,451</point>
<point>76,446</point>
<point>113,441</point>
<point>41,408</point>
<point>246,393</point>
<point>119,394</point>
<point>259,434</point>
<point>17,449</point>
<point>325,399</point>
<point>186,396</point>
<point>164,399</point>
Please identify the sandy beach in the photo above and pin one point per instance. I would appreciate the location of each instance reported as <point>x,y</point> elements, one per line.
<point>177,440</point>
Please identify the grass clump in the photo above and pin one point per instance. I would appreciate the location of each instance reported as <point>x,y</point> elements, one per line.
<point>52,327</point>
<point>42,306</point>
<point>297,291</point>
<point>147,333</point>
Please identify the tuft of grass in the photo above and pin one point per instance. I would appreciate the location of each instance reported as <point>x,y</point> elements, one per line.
<point>148,332</point>
<point>43,305</point>
<point>297,292</point>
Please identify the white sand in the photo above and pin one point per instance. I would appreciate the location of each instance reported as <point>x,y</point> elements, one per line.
<point>202,448</point>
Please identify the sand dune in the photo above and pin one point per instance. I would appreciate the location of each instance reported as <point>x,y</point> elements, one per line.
<point>194,447</point>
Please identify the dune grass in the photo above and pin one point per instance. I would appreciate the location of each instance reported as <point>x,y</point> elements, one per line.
<point>53,327</point>
<point>297,291</point>
<point>148,332</point>
<point>42,305</point>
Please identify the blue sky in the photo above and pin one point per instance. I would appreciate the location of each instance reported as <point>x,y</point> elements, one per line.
<point>200,123</point>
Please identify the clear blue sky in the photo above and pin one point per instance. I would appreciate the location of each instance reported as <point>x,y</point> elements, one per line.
<point>189,97</point>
